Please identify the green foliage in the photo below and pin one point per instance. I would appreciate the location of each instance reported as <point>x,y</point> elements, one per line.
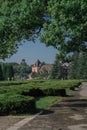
<point>74,65</point>
<point>82,66</point>
<point>22,70</point>
<point>34,75</point>
<point>8,72</point>
<point>11,83</point>
<point>15,96</point>
<point>40,75</point>
<point>11,103</point>
<point>46,87</point>
<point>19,20</point>
<point>58,20</point>
<point>48,101</point>
<point>78,68</point>
<point>67,25</point>
<point>44,75</point>
<point>56,70</point>
<point>1,73</point>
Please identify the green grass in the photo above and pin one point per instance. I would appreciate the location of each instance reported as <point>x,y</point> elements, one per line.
<point>47,102</point>
<point>68,91</point>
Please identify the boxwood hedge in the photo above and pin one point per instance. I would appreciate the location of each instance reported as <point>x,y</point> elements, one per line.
<point>12,103</point>
<point>16,97</point>
<point>50,88</point>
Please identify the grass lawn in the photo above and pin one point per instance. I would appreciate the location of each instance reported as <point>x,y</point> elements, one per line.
<point>47,102</point>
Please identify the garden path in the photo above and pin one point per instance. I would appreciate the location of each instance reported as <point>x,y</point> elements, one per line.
<point>70,114</point>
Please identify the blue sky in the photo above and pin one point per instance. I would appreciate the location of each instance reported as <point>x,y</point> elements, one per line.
<point>32,51</point>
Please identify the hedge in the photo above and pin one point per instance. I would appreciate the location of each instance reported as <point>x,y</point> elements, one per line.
<point>37,88</point>
<point>14,103</point>
<point>9,83</point>
<point>51,88</point>
<point>37,92</point>
<point>17,98</point>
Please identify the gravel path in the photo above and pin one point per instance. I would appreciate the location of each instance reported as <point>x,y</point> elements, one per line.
<point>8,121</point>
<point>70,114</point>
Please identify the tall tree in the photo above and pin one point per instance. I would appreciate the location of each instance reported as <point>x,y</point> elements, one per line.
<point>19,20</point>
<point>8,72</point>
<point>67,28</point>
<point>78,68</point>
<point>56,70</point>
<point>63,24</point>
<point>1,73</point>
<point>82,66</point>
<point>22,70</point>
<point>73,71</point>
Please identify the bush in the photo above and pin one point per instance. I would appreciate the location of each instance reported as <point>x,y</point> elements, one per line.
<point>36,92</point>
<point>15,96</point>
<point>9,83</point>
<point>54,92</point>
<point>50,88</point>
<point>14,103</point>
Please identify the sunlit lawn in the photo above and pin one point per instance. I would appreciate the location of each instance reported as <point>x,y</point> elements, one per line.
<point>47,102</point>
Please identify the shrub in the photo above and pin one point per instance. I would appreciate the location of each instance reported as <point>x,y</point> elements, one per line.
<point>14,103</point>
<point>36,92</point>
<point>54,92</point>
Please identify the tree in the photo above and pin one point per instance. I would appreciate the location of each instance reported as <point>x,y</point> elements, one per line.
<point>56,70</point>
<point>1,73</point>
<point>63,24</point>
<point>82,66</point>
<point>78,68</point>
<point>19,20</point>
<point>8,72</point>
<point>67,28</point>
<point>22,70</point>
<point>23,62</point>
<point>73,71</point>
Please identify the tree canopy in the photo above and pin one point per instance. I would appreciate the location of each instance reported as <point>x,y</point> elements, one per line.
<point>67,29</point>
<point>63,24</point>
<point>19,19</point>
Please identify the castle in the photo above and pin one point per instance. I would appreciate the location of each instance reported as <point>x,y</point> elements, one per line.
<point>41,67</point>
<point>36,66</point>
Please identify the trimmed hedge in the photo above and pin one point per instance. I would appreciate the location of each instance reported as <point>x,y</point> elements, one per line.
<point>55,92</point>
<point>14,103</point>
<point>44,92</point>
<point>51,88</point>
<point>16,98</point>
<point>9,83</point>
<point>36,92</point>
<point>43,87</point>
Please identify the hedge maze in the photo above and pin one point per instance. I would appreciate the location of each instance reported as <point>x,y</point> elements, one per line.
<point>18,97</point>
